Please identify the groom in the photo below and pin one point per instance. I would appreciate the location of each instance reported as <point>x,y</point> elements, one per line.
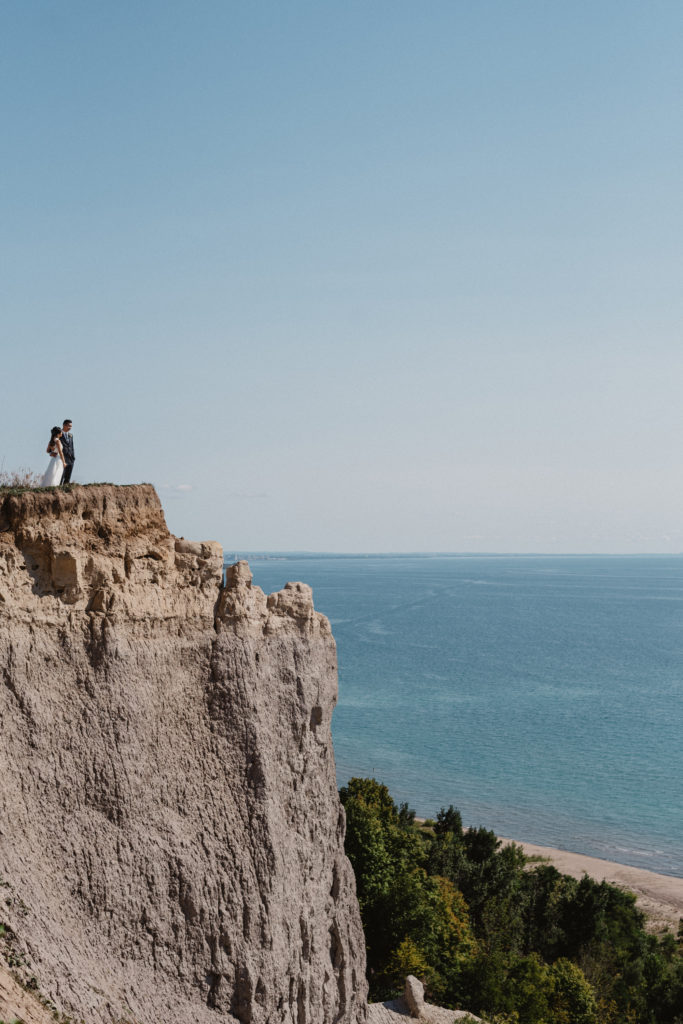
<point>68,450</point>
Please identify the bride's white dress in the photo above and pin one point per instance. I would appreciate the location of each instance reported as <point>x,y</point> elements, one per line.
<point>53,474</point>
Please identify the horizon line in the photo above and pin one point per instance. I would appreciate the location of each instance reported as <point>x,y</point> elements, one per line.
<point>282,553</point>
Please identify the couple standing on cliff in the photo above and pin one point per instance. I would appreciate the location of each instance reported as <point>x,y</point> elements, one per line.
<point>62,458</point>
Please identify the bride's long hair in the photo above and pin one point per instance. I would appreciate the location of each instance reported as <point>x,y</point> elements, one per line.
<point>54,434</point>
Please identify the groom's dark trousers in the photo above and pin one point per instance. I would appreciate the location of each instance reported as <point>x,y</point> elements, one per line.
<point>69,457</point>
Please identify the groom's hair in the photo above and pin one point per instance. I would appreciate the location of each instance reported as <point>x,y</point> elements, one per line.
<point>66,421</point>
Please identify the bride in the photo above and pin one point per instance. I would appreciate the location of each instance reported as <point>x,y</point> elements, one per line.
<point>53,474</point>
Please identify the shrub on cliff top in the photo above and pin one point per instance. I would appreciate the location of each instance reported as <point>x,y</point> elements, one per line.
<point>9,488</point>
<point>18,479</point>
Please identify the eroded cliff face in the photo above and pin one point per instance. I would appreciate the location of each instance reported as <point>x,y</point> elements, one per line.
<point>171,840</point>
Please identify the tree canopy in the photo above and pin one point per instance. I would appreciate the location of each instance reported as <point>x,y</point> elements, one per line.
<point>486,931</point>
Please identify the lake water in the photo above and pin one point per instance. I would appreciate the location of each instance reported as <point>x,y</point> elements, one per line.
<point>541,695</point>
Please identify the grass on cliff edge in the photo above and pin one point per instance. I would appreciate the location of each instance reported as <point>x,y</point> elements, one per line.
<point>8,490</point>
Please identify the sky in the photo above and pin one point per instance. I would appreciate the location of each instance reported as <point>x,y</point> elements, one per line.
<point>359,276</point>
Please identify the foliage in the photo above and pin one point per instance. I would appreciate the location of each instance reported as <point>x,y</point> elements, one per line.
<point>414,923</point>
<point>18,480</point>
<point>483,928</point>
<point>23,481</point>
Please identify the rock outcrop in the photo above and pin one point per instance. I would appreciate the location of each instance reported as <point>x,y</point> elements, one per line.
<point>414,996</point>
<point>412,1005</point>
<point>171,840</point>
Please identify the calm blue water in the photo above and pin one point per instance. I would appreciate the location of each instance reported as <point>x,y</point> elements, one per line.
<point>541,695</point>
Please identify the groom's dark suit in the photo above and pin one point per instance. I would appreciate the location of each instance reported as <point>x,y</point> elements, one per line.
<point>69,457</point>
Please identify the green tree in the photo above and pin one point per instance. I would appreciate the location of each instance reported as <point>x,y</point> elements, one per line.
<point>411,919</point>
<point>484,930</point>
<point>573,1000</point>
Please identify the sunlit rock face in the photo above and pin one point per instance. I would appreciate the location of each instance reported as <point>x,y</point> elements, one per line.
<point>170,833</point>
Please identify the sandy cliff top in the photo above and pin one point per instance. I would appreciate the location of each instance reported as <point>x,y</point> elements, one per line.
<point>107,550</point>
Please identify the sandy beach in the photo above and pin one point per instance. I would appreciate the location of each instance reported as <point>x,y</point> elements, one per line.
<point>660,897</point>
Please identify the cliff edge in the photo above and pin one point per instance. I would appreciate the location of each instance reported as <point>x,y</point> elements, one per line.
<point>171,839</point>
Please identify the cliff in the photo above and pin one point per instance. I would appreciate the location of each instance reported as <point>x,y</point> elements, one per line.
<point>171,840</point>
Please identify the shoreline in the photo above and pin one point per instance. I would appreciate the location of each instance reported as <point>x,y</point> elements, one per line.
<point>660,897</point>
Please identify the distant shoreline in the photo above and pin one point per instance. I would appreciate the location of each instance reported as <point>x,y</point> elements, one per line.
<point>660,897</point>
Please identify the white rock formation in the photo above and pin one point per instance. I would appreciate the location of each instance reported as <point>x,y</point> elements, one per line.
<point>170,833</point>
<point>414,996</point>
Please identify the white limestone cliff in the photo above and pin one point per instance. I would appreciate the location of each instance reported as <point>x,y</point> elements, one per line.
<point>171,839</point>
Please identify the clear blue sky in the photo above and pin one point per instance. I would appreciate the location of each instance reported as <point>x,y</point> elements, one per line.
<point>359,276</point>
